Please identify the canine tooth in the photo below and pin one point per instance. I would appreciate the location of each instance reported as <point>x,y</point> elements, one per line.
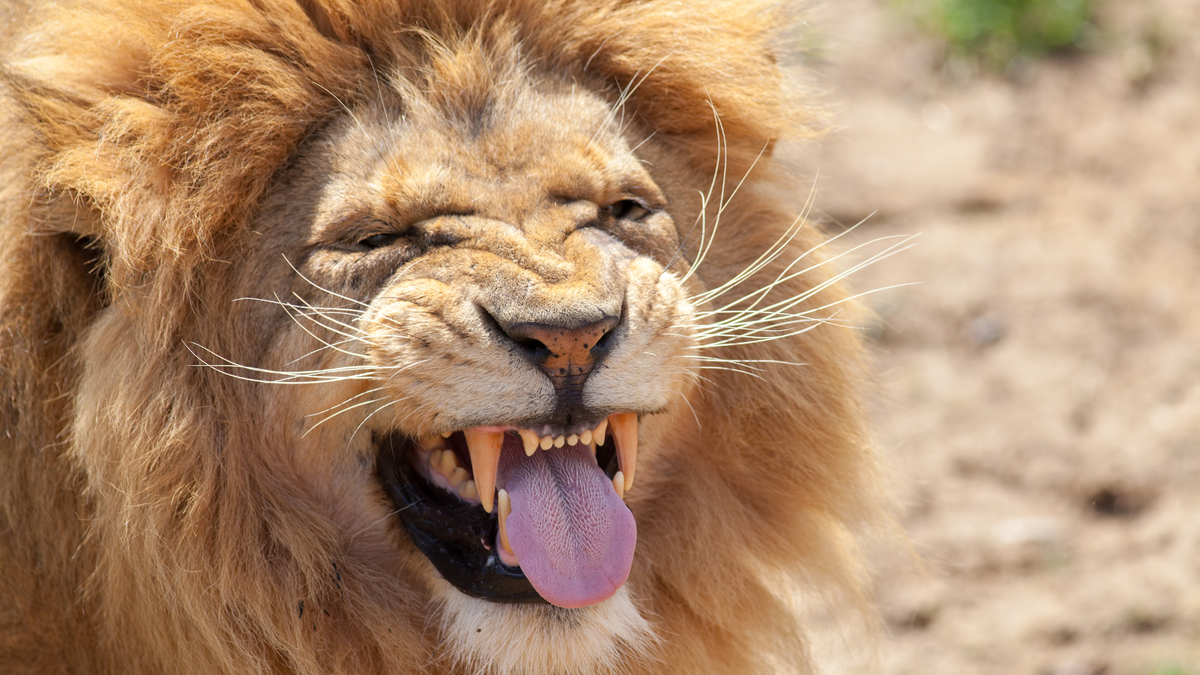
<point>530,440</point>
<point>505,509</point>
<point>468,490</point>
<point>458,476</point>
<point>625,433</point>
<point>619,484</point>
<point>586,437</point>
<point>485,457</point>
<point>598,435</point>
<point>559,442</point>
<point>572,439</point>
<point>547,442</point>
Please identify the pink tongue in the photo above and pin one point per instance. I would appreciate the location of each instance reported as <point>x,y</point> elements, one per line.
<point>572,533</point>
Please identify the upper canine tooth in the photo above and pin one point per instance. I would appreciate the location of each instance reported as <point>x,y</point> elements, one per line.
<point>625,432</point>
<point>547,442</point>
<point>530,440</point>
<point>586,437</point>
<point>559,442</point>
<point>598,435</point>
<point>485,458</point>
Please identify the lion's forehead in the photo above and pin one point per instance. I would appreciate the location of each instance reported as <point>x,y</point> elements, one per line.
<point>548,146</point>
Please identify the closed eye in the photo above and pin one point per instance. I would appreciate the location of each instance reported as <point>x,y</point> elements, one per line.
<point>626,209</point>
<point>378,241</point>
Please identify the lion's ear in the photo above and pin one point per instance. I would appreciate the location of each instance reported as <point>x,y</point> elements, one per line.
<point>319,17</point>
<point>87,252</point>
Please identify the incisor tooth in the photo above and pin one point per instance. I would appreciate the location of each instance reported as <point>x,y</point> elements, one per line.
<point>619,484</point>
<point>625,433</point>
<point>485,457</point>
<point>559,442</point>
<point>530,440</point>
<point>572,439</point>
<point>547,442</point>
<point>505,509</point>
<point>468,490</point>
<point>586,437</point>
<point>598,435</point>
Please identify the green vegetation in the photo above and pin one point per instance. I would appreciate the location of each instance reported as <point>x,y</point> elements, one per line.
<point>997,32</point>
<point>1170,670</point>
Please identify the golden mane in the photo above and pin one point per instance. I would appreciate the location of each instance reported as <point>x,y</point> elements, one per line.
<point>149,532</point>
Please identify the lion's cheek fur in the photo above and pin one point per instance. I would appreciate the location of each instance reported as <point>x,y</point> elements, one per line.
<point>177,485</point>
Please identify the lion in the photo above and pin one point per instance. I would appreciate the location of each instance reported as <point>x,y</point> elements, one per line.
<point>394,336</point>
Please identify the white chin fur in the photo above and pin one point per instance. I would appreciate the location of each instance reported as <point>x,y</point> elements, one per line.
<point>520,639</point>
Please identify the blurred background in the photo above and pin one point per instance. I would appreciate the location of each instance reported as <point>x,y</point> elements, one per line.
<point>1040,385</point>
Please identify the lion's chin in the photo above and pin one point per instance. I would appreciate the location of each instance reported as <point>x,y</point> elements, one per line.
<point>511,639</point>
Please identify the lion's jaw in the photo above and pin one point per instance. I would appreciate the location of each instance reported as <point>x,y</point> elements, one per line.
<point>419,337</point>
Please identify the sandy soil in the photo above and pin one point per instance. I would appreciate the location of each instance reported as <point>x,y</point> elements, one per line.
<point>1040,401</point>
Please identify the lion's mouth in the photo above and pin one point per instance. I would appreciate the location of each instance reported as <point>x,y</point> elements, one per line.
<point>520,515</point>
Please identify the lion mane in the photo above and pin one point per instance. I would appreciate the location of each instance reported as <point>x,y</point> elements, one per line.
<point>266,262</point>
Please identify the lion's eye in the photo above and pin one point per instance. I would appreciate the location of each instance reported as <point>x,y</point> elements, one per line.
<point>378,241</point>
<point>626,209</point>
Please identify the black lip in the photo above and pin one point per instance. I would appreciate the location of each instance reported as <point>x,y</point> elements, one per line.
<point>449,531</point>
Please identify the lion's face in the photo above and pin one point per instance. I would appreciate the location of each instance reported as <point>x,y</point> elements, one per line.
<point>467,325</point>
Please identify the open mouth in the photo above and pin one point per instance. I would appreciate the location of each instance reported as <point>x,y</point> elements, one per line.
<point>517,514</point>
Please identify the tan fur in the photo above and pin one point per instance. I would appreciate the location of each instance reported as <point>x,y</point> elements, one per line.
<point>178,182</point>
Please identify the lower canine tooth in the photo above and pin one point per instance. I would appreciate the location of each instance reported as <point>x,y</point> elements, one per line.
<point>505,509</point>
<point>530,440</point>
<point>619,484</point>
<point>485,457</point>
<point>625,433</point>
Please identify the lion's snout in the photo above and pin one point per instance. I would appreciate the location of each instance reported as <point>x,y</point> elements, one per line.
<point>567,355</point>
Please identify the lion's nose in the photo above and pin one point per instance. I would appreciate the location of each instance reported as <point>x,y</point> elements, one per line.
<point>565,354</point>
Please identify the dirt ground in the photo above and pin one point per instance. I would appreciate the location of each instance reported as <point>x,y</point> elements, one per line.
<point>1040,403</point>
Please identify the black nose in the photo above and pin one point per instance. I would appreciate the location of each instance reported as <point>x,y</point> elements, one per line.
<point>567,354</point>
<point>564,353</point>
